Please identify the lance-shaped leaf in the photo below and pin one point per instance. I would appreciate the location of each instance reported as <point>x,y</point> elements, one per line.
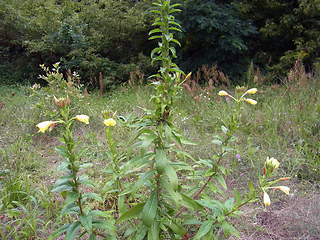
<point>135,211</point>
<point>204,229</point>
<point>73,231</point>
<point>161,160</point>
<point>150,209</point>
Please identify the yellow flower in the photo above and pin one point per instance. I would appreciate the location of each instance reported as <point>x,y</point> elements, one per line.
<point>251,101</point>
<point>43,126</point>
<point>109,122</point>
<point>223,93</point>
<point>83,118</point>
<point>252,91</point>
<point>266,199</point>
<point>272,162</point>
<point>284,189</point>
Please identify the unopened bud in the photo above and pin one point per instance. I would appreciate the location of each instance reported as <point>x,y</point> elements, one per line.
<point>284,179</point>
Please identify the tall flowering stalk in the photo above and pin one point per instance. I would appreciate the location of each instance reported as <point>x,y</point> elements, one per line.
<point>270,166</point>
<point>235,118</point>
<point>159,180</point>
<point>83,220</point>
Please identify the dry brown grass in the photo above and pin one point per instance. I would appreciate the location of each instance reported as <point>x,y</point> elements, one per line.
<point>205,80</point>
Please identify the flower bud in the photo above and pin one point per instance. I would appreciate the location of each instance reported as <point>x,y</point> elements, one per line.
<point>251,101</point>
<point>252,91</point>
<point>266,199</point>
<point>223,93</point>
<point>284,178</point>
<point>270,165</point>
<point>284,189</point>
<point>61,102</point>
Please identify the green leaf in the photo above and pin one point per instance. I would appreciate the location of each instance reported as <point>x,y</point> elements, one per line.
<point>204,229</point>
<point>81,152</point>
<point>222,169</point>
<point>135,211</point>
<point>175,23</point>
<point>229,204</point>
<point>212,186</point>
<point>92,196</point>
<point>161,160</point>
<point>172,175</point>
<point>252,191</point>
<point>155,50</point>
<point>84,179</point>
<point>191,204</point>
<point>156,30</point>
<point>62,140</point>
<point>66,185</point>
<point>73,231</point>
<point>98,213</point>
<point>71,197</point>
<point>92,237</point>
<point>141,233</point>
<point>63,151</point>
<point>138,184</point>
<point>217,142</point>
<point>85,165</point>
<point>155,37</point>
<point>59,231</point>
<point>103,224</point>
<point>150,209</point>
<point>175,41</point>
<point>156,11</point>
<point>86,222</point>
<point>70,208</point>
<point>174,194</point>
<point>221,180</point>
<point>224,129</point>
<point>216,207</point>
<point>238,197</point>
<point>175,226</point>
<point>154,231</point>
<point>175,5</point>
<point>229,229</point>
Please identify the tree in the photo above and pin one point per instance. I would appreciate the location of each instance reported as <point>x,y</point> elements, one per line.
<point>86,36</point>
<point>213,33</point>
<point>288,30</point>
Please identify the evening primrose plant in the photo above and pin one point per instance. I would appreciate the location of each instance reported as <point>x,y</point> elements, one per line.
<point>82,220</point>
<point>164,208</point>
<point>153,215</point>
<point>270,166</point>
<point>234,120</point>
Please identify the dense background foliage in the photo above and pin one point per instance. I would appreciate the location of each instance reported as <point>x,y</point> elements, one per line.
<point>110,36</point>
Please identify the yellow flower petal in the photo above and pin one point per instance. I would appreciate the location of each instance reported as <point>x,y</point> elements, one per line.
<point>83,118</point>
<point>284,189</point>
<point>251,101</point>
<point>223,93</point>
<point>43,126</point>
<point>266,199</point>
<point>252,91</point>
<point>109,122</point>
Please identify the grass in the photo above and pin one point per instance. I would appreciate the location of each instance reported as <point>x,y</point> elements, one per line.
<point>284,124</point>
